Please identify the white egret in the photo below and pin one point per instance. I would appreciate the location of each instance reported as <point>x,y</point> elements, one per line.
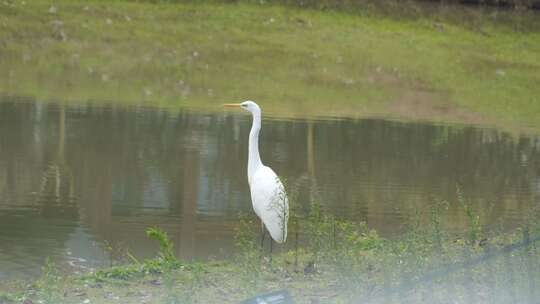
<point>268,195</point>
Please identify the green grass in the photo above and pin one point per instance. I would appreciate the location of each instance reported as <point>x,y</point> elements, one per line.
<point>296,62</point>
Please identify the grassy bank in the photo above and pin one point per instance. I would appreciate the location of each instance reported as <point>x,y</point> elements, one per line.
<point>296,62</point>
<point>340,262</point>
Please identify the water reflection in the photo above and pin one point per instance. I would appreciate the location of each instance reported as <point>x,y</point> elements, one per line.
<point>74,177</point>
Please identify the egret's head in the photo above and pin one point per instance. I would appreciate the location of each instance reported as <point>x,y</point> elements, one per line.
<point>248,105</point>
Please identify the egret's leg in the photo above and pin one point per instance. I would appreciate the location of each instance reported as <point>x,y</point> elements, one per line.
<point>271,242</point>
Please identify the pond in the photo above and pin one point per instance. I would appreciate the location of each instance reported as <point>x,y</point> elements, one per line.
<point>75,180</point>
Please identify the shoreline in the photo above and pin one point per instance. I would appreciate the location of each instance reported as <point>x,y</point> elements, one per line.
<point>358,265</point>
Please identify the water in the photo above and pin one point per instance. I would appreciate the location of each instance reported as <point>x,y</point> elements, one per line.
<point>76,178</point>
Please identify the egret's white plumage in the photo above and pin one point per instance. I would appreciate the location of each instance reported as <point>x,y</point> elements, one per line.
<point>268,195</point>
<point>270,202</point>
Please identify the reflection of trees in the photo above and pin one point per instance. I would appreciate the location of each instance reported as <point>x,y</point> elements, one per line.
<point>380,171</point>
<point>147,171</point>
<point>56,195</point>
<point>33,225</point>
<point>388,165</point>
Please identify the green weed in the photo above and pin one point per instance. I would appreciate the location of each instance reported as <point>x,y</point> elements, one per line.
<point>7,298</point>
<point>250,254</point>
<point>166,255</point>
<point>475,229</point>
<point>320,231</point>
<point>48,289</point>
<point>165,261</point>
<point>121,272</point>
<point>435,219</point>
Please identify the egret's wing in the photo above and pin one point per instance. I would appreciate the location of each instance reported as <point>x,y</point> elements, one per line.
<point>270,202</point>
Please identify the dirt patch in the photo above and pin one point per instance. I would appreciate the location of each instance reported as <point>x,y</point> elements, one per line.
<point>429,105</point>
<point>419,102</point>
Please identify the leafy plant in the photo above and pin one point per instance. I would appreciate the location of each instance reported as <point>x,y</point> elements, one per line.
<point>7,298</point>
<point>166,251</point>
<point>358,236</point>
<point>435,218</point>
<point>475,229</point>
<point>320,231</point>
<point>165,261</point>
<point>122,272</point>
<point>47,284</point>
<point>250,255</point>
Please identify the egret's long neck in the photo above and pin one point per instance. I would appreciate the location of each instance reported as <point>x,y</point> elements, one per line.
<point>254,159</point>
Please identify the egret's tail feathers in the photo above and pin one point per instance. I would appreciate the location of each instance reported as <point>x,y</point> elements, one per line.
<point>279,235</point>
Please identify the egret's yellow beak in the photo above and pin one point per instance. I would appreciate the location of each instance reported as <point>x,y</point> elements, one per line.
<point>231,105</point>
